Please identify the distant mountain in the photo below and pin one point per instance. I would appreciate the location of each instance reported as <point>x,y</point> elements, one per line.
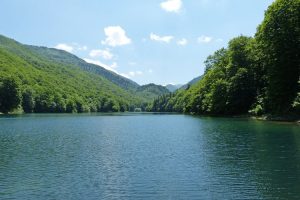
<point>192,82</point>
<point>150,91</point>
<point>52,80</point>
<point>173,88</point>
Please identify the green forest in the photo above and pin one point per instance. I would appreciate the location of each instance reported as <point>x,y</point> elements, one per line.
<point>44,80</point>
<point>253,75</point>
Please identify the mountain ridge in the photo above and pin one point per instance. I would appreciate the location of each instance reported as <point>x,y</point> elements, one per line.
<point>66,58</point>
<point>173,87</point>
<point>52,80</point>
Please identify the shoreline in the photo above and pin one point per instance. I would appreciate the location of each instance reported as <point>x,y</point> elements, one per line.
<point>278,118</point>
<point>292,118</point>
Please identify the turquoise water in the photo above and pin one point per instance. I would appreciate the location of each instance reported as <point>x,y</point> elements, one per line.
<point>147,156</point>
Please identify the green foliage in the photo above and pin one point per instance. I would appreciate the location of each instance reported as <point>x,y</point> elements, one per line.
<point>279,41</point>
<point>51,80</point>
<point>218,59</point>
<point>254,75</point>
<point>241,94</point>
<point>296,104</point>
<point>192,82</point>
<point>150,91</point>
<point>257,108</point>
<point>28,100</point>
<point>226,88</point>
<point>218,101</point>
<point>67,59</point>
<point>10,96</point>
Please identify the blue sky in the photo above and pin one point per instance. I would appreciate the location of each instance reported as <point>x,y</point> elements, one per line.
<point>149,41</point>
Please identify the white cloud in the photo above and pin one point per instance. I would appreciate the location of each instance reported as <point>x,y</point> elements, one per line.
<point>82,48</point>
<point>125,75</point>
<point>171,83</point>
<point>219,40</point>
<point>182,42</point>
<point>150,71</point>
<point>132,74</point>
<point>71,48</point>
<point>113,67</point>
<point>105,54</point>
<point>171,5</point>
<point>79,47</point>
<point>65,47</point>
<point>108,67</point>
<point>166,39</point>
<point>204,39</point>
<point>115,36</point>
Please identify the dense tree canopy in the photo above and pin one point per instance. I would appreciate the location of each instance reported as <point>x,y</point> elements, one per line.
<point>279,41</point>
<point>226,88</point>
<point>257,75</point>
<point>51,80</point>
<point>9,94</point>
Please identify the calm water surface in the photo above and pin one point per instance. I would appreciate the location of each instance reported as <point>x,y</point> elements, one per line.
<point>147,156</point>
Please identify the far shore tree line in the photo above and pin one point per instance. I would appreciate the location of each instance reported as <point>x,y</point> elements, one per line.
<point>13,95</point>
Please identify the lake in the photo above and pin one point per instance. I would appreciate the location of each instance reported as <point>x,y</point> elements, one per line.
<point>147,156</point>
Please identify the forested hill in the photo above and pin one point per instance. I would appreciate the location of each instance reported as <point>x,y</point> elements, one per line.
<point>65,58</point>
<point>172,87</point>
<point>192,82</point>
<point>257,75</point>
<point>39,79</point>
<point>150,91</point>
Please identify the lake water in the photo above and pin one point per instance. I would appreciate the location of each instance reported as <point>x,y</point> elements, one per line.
<point>147,156</point>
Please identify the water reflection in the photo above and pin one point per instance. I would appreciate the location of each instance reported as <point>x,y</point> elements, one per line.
<point>254,156</point>
<point>147,156</point>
